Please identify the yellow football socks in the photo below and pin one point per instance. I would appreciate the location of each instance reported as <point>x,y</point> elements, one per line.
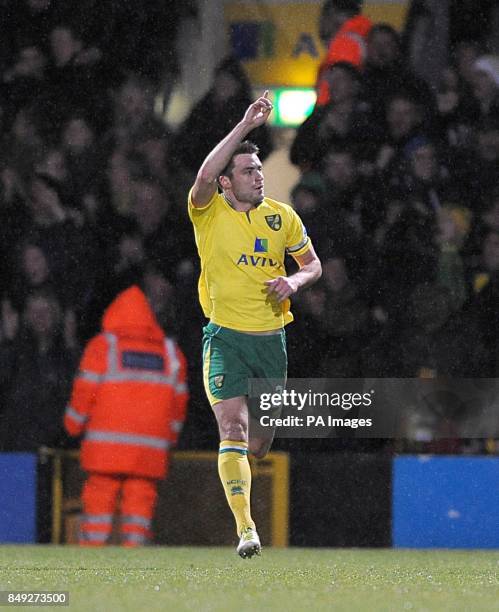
<point>235,474</point>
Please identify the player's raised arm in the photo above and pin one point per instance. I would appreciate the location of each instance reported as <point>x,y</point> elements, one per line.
<point>206,180</point>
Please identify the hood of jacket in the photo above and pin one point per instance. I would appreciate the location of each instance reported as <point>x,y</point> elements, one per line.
<point>130,315</point>
<point>359,25</point>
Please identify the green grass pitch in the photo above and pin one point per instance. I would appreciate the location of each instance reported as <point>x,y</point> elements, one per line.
<point>215,579</point>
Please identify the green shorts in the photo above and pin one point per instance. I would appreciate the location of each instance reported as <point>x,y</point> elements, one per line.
<point>231,357</point>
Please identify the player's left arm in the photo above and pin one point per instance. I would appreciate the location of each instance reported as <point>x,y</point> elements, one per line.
<point>310,271</point>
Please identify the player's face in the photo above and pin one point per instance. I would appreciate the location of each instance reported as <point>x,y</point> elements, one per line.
<point>246,181</point>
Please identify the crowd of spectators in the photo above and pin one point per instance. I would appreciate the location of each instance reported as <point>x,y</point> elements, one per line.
<point>398,191</point>
<point>399,188</point>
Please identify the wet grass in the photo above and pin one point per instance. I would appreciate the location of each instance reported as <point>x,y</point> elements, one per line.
<point>162,578</point>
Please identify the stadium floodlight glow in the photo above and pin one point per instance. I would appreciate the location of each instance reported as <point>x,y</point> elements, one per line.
<point>292,106</point>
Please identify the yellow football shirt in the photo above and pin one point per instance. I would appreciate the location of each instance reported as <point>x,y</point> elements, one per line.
<point>239,251</point>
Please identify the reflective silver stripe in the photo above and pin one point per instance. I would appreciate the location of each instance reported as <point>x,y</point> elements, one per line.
<point>76,416</point>
<point>112,354</point>
<point>89,376</point>
<point>96,518</point>
<point>121,438</point>
<point>94,536</point>
<point>172,358</point>
<point>360,40</point>
<point>138,538</point>
<point>170,347</point>
<point>298,246</point>
<point>158,379</point>
<point>135,519</point>
<point>176,426</point>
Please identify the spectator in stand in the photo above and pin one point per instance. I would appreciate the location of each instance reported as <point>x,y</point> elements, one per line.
<point>340,314</point>
<point>403,121</point>
<point>485,304</point>
<point>3,122</point>
<point>140,38</point>
<point>386,75</point>
<point>406,256</point>
<point>453,228</point>
<point>116,186</point>
<point>342,122</point>
<point>428,339</point>
<point>33,273</point>
<point>23,143</point>
<point>482,224</point>
<point>133,113</point>
<point>78,141</point>
<point>14,215</point>
<point>423,177</point>
<point>457,111</point>
<point>165,233</point>
<point>225,103</point>
<point>436,342</point>
<point>75,77</point>
<point>308,198</point>
<point>476,166</point>
<point>59,232</point>
<point>161,295</point>
<point>154,146</point>
<point>344,31</point>
<point>154,151</point>
<point>24,80</point>
<point>27,20</point>
<point>350,197</point>
<point>53,164</point>
<point>485,82</point>
<point>38,361</point>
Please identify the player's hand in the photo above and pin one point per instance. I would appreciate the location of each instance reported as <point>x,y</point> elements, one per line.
<point>258,112</point>
<point>282,287</point>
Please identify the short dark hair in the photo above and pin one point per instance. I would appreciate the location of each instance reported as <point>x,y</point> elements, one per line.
<point>347,67</point>
<point>244,147</point>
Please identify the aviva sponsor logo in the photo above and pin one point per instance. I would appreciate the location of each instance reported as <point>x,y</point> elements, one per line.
<point>256,260</point>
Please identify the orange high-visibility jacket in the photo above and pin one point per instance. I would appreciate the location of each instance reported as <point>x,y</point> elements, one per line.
<point>130,395</point>
<point>349,45</point>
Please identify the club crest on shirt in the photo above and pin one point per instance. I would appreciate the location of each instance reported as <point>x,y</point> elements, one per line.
<point>274,222</point>
<point>218,380</point>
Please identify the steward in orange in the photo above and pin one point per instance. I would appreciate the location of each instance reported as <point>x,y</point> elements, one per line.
<point>347,33</point>
<point>129,401</point>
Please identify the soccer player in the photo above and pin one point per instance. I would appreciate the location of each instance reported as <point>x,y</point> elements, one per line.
<point>242,238</point>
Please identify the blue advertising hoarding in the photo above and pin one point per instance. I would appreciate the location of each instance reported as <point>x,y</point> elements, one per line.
<point>445,502</point>
<point>17,498</point>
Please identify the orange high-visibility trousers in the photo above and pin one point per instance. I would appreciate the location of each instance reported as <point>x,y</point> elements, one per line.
<point>100,497</point>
